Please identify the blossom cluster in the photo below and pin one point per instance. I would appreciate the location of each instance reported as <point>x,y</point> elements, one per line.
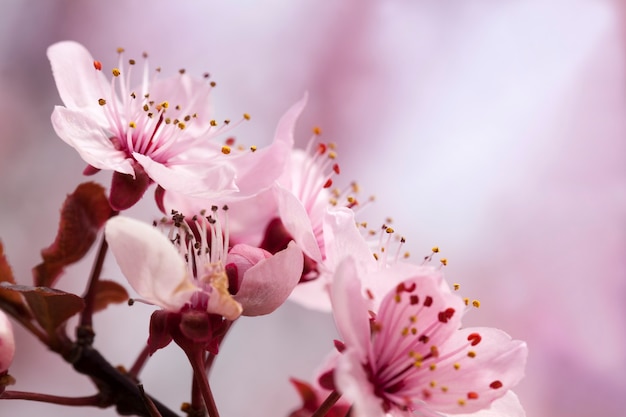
<point>245,229</point>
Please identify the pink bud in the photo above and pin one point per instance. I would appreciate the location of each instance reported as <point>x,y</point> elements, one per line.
<point>7,343</point>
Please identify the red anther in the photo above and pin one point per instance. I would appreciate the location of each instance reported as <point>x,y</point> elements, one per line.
<point>428,301</point>
<point>414,299</point>
<point>329,183</point>
<point>97,65</point>
<point>336,169</point>
<point>449,312</point>
<point>401,287</point>
<point>230,141</point>
<point>472,395</point>
<point>474,338</point>
<point>321,148</point>
<point>353,203</point>
<point>495,385</point>
<point>339,345</point>
<point>369,294</point>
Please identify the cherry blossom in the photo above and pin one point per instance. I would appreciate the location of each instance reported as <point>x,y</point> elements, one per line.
<point>160,131</point>
<point>410,355</point>
<point>195,271</point>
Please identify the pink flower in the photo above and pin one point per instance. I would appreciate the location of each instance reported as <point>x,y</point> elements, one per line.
<point>411,356</point>
<point>159,131</point>
<point>7,343</point>
<point>195,272</point>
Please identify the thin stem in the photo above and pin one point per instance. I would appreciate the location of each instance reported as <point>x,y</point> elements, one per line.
<point>92,400</point>
<point>154,412</point>
<point>328,403</point>
<point>208,364</point>
<point>89,297</point>
<point>197,402</point>
<point>139,362</point>
<point>196,358</point>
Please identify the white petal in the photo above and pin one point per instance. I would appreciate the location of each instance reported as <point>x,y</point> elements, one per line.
<point>89,140</point>
<point>194,180</point>
<point>79,84</point>
<point>150,262</point>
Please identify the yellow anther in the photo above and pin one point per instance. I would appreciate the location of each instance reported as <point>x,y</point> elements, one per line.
<point>406,255</point>
<point>405,331</point>
<point>456,286</point>
<point>168,120</point>
<point>317,131</point>
<point>253,148</point>
<point>146,107</point>
<point>332,155</point>
<point>397,298</point>
<point>457,366</point>
<point>332,145</point>
<point>413,319</point>
<point>389,230</point>
<point>133,95</point>
<point>471,354</point>
<point>225,149</point>
<point>132,125</point>
<point>466,301</point>
<point>131,61</point>
<point>413,331</point>
<point>417,364</point>
<point>375,256</point>
<point>213,123</point>
<point>212,83</point>
<point>443,261</point>
<point>461,402</point>
<point>246,116</point>
<point>165,104</point>
<point>181,125</point>
<point>444,389</point>
<point>432,367</point>
<point>116,72</point>
<point>476,303</point>
<point>102,101</point>
<point>435,249</point>
<point>120,50</point>
<point>433,384</point>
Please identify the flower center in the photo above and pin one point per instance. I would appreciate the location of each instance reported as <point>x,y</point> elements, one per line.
<point>161,118</point>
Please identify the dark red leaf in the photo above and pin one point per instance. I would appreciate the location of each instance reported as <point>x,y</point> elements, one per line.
<point>83,213</point>
<point>108,292</point>
<point>10,301</point>
<point>50,307</point>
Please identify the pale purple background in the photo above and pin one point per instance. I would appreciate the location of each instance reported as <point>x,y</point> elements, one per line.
<point>494,129</point>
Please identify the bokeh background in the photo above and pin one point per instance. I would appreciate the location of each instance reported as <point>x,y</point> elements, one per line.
<point>494,129</point>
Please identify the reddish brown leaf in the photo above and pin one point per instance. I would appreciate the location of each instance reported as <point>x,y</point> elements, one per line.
<point>108,292</point>
<point>83,213</point>
<point>50,307</point>
<point>10,301</point>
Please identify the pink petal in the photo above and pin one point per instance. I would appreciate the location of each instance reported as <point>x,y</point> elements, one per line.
<point>296,220</point>
<point>7,342</point>
<point>90,141</point>
<point>497,365</point>
<point>150,262</point>
<point>79,84</point>
<point>314,294</point>
<point>342,238</point>
<point>349,308</point>
<point>352,381</point>
<point>212,181</point>
<point>267,285</point>
<point>258,170</point>
<point>505,406</point>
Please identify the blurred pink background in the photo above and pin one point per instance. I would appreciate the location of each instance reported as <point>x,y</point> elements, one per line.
<point>494,129</point>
